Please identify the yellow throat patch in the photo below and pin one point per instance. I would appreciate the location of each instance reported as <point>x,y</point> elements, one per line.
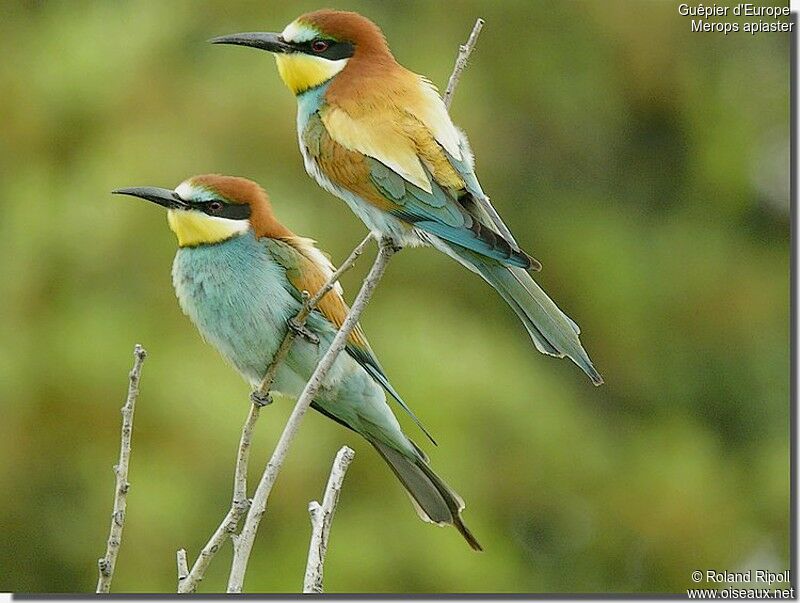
<point>301,72</point>
<point>196,228</point>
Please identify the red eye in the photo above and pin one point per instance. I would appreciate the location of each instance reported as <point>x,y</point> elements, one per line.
<point>214,207</point>
<point>319,45</point>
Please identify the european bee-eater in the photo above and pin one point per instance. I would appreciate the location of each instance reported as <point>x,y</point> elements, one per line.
<point>239,275</point>
<point>379,137</point>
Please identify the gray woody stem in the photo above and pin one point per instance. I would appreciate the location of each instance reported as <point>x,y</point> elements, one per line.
<point>461,62</point>
<point>107,563</point>
<point>189,581</point>
<point>243,545</point>
<point>321,519</point>
<point>183,565</point>
<point>464,51</point>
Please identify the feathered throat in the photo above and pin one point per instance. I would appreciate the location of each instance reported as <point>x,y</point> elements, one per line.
<point>195,228</point>
<point>301,72</point>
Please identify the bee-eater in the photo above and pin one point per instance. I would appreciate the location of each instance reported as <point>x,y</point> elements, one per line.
<point>379,137</point>
<point>239,275</point>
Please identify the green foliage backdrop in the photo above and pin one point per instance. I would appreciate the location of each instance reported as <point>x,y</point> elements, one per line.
<point>645,166</point>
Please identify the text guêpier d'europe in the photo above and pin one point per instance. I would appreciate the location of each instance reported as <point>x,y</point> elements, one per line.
<point>769,18</point>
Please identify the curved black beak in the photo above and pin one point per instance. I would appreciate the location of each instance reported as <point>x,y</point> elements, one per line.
<point>161,196</point>
<point>271,42</point>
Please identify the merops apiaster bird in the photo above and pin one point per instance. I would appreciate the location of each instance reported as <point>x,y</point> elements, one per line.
<point>239,275</point>
<point>379,137</point>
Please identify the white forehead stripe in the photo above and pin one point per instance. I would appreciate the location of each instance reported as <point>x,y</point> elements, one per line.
<point>184,190</point>
<point>299,32</point>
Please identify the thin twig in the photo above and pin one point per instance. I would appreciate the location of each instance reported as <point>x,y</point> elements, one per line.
<point>461,62</point>
<point>243,457</point>
<point>238,508</point>
<point>240,503</point>
<point>183,565</point>
<point>464,52</point>
<point>107,563</point>
<point>321,519</point>
<point>244,543</point>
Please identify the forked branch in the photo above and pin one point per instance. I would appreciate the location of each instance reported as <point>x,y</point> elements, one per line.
<point>321,520</point>
<point>189,580</point>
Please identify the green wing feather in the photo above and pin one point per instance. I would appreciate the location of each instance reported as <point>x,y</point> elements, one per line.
<point>443,211</point>
<point>440,213</point>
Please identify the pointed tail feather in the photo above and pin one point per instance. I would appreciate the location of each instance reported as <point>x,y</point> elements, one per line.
<point>433,499</point>
<point>553,332</point>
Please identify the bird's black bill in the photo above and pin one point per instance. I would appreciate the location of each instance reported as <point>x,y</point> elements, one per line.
<point>161,196</point>
<point>271,42</point>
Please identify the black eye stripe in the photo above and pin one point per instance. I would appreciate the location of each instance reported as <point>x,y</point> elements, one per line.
<point>336,50</point>
<point>231,211</point>
<point>234,211</point>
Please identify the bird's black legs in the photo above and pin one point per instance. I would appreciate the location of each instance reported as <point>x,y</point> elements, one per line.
<point>391,243</point>
<point>259,399</point>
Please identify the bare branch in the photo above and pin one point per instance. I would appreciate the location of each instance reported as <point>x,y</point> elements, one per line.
<point>321,519</point>
<point>239,506</point>
<point>243,457</point>
<point>244,543</point>
<point>183,566</point>
<point>464,51</point>
<point>107,563</point>
<point>461,62</point>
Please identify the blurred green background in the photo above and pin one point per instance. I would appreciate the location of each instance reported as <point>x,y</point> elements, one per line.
<point>645,166</point>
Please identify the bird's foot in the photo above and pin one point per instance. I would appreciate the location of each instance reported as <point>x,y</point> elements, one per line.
<point>391,244</point>
<point>259,399</point>
<point>302,331</point>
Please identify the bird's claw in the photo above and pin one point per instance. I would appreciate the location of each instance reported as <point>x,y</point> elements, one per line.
<point>391,244</point>
<point>302,331</point>
<point>259,399</point>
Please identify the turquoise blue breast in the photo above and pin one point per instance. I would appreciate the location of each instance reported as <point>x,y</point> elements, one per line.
<point>309,103</point>
<point>237,296</point>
